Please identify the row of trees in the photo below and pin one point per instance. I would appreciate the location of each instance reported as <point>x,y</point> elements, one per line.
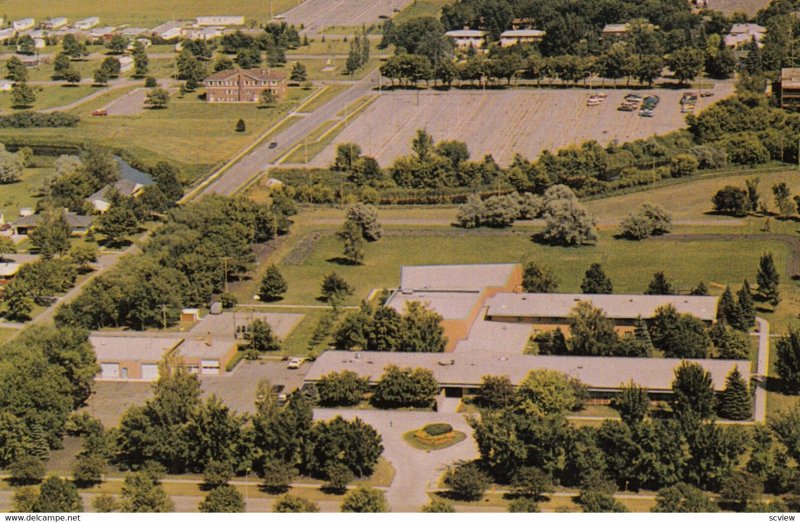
<point>638,452</point>
<point>397,388</point>
<point>200,247</point>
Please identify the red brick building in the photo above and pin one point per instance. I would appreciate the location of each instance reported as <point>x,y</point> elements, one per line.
<point>244,85</point>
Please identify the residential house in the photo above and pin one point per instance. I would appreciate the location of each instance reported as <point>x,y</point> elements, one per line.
<point>244,85</point>
<point>102,32</point>
<point>521,36</point>
<point>87,23</point>
<point>615,31</point>
<point>467,38</point>
<point>7,34</point>
<point>54,23</point>
<point>741,34</point>
<point>126,64</point>
<point>168,30</point>
<point>205,33</point>
<point>220,20</point>
<point>23,25</point>
<point>789,88</point>
<point>79,225</point>
<point>101,200</point>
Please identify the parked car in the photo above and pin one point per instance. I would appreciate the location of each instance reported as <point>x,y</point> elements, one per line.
<point>295,363</point>
<point>633,97</point>
<point>273,144</point>
<point>647,113</point>
<point>100,112</point>
<point>706,94</point>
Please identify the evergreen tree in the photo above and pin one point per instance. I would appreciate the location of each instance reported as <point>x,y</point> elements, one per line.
<point>273,285</point>
<point>768,279</point>
<point>735,402</point>
<point>39,447</point>
<point>241,126</point>
<point>747,310</point>
<point>642,334</point>
<point>700,289</point>
<point>787,364</point>
<point>727,309</point>
<point>595,281</point>
<point>58,496</point>
<point>659,285</point>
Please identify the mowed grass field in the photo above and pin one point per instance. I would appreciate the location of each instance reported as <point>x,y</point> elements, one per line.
<point>196,134</point>
<point>630,265</point>
<point>146,13</point>
<point>14,196</point>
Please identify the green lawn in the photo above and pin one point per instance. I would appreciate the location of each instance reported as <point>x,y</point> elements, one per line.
<point>421,8</point>
<point>629,264</point>
<point>146,13</point>
<point>191,132</point>
<point>14,196</point>
<point>50,96</point>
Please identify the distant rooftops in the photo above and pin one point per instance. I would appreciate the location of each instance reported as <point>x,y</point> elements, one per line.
<point>523,33</point>
<point>462,370</point>
<point>116,348</point>
<point>256,74</point>
<point>615,306</point>
<point>466,33</point>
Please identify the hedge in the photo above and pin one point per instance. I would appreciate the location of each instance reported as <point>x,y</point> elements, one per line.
<point>437,429</point>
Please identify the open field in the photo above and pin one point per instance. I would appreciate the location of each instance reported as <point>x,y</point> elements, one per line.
<point>51,96</point>
<point>505,122</point>
<point>147,13</point>
<point>196,134</point>
<point>14,196</point>
<point>422,8</point>
<point>629,264</point>
<point>316,14</point>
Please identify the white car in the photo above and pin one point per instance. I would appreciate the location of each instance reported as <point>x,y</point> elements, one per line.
<point>295,362</point>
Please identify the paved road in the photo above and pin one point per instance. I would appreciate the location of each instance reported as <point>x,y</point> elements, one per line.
<point>262,157</point>
<point>417,471</point>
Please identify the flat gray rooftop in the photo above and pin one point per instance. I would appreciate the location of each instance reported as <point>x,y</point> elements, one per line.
<point>450,305</point>
<point>125,348</point>
<point>495,337</point>
<point>454,277</point>
<point>615,306</point>
<point>467,370</point>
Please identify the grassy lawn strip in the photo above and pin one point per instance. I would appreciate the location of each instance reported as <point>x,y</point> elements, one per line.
<point>327,132</point>
<point>331,92</point>
<point>422,441</point>
<point>421,8</point>
<point>630,265</point>
<point>49,96</point>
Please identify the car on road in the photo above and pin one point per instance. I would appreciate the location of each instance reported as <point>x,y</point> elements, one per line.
<point>295,363</point>
<point>647,113</point>
<point>273,144</point>
<point>100,112</point>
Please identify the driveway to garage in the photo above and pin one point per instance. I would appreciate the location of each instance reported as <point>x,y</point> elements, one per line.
<point>417,470</point>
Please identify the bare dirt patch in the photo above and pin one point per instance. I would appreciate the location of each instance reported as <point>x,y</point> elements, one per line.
<point>505,122</point>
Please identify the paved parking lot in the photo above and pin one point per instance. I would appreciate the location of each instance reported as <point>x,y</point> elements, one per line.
<point>505,122</point>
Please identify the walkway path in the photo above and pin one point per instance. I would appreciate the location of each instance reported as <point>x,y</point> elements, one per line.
<point>762,371</point>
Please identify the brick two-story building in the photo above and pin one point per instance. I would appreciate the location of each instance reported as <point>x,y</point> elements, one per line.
<point>244,85</point>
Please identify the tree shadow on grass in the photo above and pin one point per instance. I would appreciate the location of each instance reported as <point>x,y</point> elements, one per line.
<point>343,261</point>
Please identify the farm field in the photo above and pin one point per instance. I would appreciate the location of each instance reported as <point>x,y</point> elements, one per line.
<point>317,14</point>
<point>422,8</point>
<point>506,122</point>
<point>147,13</point>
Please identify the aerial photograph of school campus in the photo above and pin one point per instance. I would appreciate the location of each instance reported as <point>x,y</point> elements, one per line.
<point>415,256</point>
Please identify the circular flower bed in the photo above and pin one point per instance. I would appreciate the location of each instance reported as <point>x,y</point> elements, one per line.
<point>434,437</point>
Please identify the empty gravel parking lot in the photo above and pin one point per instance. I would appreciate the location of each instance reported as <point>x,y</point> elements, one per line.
<point>505,122</point>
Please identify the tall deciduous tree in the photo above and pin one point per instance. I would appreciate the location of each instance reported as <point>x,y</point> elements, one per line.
<point>365,500</point>
<point>353,241</point>
<point>223,499</point>
<point>538,279</point>
<point>632,403</point>
<point>58,496</point>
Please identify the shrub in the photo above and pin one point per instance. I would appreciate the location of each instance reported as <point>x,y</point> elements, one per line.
<point>30,119</point>
<point>437,429</point>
